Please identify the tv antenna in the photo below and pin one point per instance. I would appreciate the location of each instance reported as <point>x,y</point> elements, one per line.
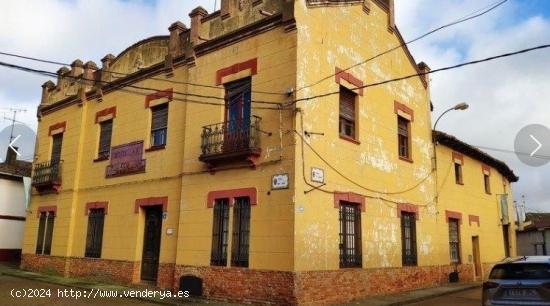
<point>12,119</point>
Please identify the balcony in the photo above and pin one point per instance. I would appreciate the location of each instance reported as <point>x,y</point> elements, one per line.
<point>230,142</point>
<point>47,177</point>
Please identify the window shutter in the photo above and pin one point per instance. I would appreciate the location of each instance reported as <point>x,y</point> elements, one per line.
<point>40,238</point>
<point>106,130</point>
<point>160,117</point>
<point>241,232</point>
<point>49,232</point>
<point>219,233</point>
<point>57,143</point>
<point>347,104</point>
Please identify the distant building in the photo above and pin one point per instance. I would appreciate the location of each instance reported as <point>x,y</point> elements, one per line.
<point>534,239</point>
<point>13,205</point>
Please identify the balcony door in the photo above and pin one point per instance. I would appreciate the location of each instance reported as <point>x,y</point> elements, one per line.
<point>237,115</point>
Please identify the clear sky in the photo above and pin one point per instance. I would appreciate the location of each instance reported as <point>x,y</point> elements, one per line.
<point>504,95</point>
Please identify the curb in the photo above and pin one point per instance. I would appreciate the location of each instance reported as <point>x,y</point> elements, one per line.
<point>40,278</point>
<point>431,296</point>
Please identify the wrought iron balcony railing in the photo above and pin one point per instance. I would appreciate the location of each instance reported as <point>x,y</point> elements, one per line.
<point>47,175</point>
<point>231,140</point>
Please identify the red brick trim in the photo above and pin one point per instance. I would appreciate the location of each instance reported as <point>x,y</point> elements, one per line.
<point>404,108</point>
<point>453,215</point>
<point>105,112</point>
<point>485,168</point>
<point>14,218</point>
<point>48,209</point>
<point>410,208</point>
<point>458,156</point>
<point>236,68</point>
<point>152,201</point>
<point>96,205</point>
<point>350,78</point>
<point>349,197</point>
<point>472,219</point>
<point>57,126</point>
<point>167,93</point>
<point>231,194</point>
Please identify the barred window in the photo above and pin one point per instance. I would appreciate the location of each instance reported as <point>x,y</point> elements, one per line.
<point>220,233</point>
<point>347,112</point>
<point>45,232</point>
<point>94,238</point>
<point>57,143</point>
<point>350,235</point>
<point>241,232</point>
<point>408,238</point>
<point>403,135</point>
<point>105,133</point>
<point>159,125</point>
<point>454,240</point>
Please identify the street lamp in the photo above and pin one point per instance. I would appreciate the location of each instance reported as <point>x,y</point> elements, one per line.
<point>459,106</point>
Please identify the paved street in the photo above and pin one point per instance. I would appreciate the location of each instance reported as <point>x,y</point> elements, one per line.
<point>8,283</point>
<point>470,297</point>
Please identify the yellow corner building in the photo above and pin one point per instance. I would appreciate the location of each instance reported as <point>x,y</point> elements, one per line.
<point>240,159</point>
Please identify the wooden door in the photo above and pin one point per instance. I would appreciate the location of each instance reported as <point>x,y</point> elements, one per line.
<point>151,243</point>
<point>477,260</point>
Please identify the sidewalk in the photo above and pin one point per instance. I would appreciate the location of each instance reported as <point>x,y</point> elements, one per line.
<point>13,271</point>
<point>415,296</point>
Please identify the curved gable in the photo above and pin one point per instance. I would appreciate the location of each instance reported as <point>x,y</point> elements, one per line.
<point>142,54</point>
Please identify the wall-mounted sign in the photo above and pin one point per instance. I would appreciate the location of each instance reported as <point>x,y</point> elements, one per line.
<point>317,175</point>
<point>126,159</point>
<point>279,181</point>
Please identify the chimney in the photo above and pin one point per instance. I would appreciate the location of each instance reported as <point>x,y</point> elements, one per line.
<point>424,68</point>
<point>61,80</point>
<point>196,15</point>
<point>391,15</point>
<point>46,88</point>
<point>11,156</point>
<point>366,6</point>
<point>89,73</point>
<point>175,45</point>
<point>106,66</point>
<point>76,69</point>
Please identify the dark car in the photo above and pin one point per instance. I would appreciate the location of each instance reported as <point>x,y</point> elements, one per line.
<point>519,281</point>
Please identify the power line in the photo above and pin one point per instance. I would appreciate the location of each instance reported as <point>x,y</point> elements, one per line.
<point>461,20</point>
<point>513,151</point>
<point>126,74</point>
<point>474,62</point>
<point>80,79</point>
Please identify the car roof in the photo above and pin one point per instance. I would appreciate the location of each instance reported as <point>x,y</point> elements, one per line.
<point>526,259</point>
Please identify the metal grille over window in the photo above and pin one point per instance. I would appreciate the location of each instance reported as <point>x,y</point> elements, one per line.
<point>105,133</point>
<point>57,143</point>
<point>408,237</point>
<point>94,238</point>
<point>45,231</point>
<point>454,241</point>
<point>220,233</point>
<point>347,112</point>
<point>350,235</point>
<point>241,232</point>
<point>403,135</point>
<point>159,125</point>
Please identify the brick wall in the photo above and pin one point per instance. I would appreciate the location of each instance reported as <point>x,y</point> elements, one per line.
<point>109,271</point>
<point>44,263</point>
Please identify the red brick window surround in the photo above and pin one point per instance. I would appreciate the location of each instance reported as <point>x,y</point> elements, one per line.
<point>349,197</point>
<point>52,209</point>
<point>453,215</point>
<point>341,75</point>
<point>231,195</point>
<point>96,205</point>
<point>251,65</point>
<point>403,110</point>
<point>472,219</point>
<point>167,93</point>
<point>410,208</point>
<point>152,201</point>
<point>57,128</point>
<point>105,114</point>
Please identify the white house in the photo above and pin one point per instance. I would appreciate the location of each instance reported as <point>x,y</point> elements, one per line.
<point>14,198</point>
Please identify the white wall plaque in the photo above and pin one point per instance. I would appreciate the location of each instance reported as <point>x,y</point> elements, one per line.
<point>279,181</point>
<point>317,175</point>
